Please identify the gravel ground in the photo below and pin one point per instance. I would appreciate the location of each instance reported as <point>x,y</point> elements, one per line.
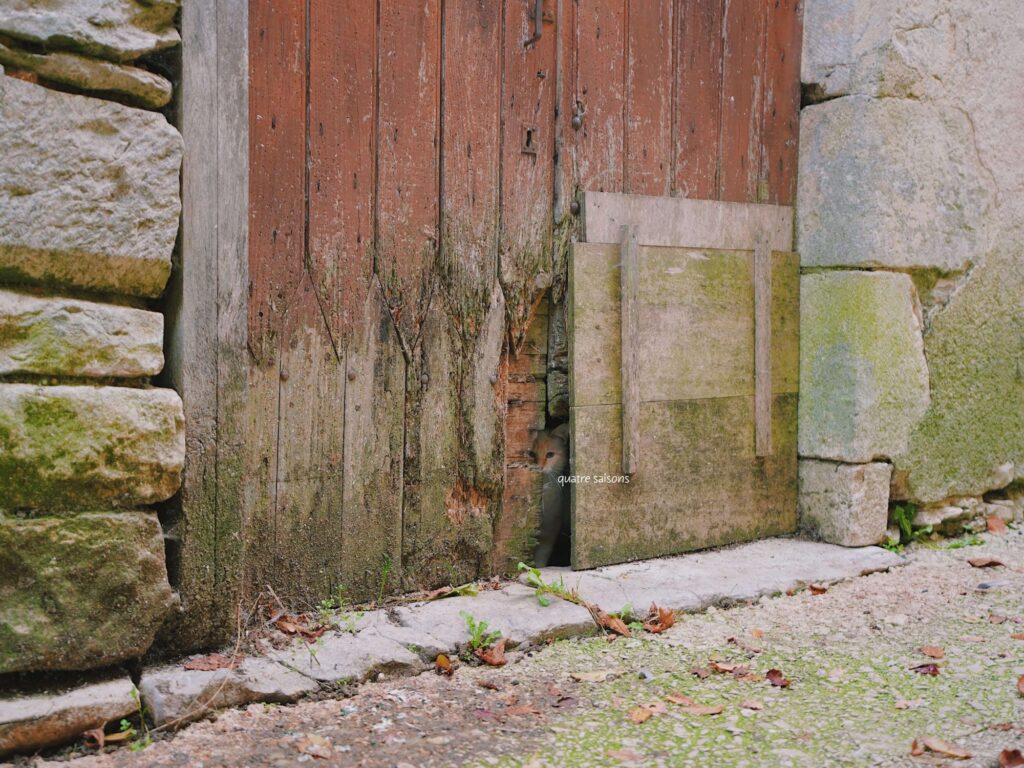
<point>853,699</point>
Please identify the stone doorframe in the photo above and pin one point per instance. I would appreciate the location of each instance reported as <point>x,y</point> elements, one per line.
<point>206,345</point>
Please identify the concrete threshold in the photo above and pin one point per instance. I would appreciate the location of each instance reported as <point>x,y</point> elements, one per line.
<point>406,640</point>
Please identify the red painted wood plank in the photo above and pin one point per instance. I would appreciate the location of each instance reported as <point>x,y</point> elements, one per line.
<point>277,140</point>
<point>471,153</point>
<point>407,156</point>
<point>782,100</point>
<point>566,104</point>
<point>528,147</point>
<point>698,107</point>
<point>742,99</point>
<point>649,90</point>
<point>601,84</point>
<point>342,94</point>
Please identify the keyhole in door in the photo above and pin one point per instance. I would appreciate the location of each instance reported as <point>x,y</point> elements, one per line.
<point>529,140</point>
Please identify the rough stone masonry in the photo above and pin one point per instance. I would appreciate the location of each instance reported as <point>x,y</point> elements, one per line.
<point>910,217</point>
<point>89,210</point>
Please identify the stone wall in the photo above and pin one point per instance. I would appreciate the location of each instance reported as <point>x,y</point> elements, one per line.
<point>910,223</point>
<point>89,210</point>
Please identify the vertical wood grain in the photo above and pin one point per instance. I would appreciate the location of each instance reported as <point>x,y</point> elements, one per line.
<point>629,272</point>
<point>649,87</point>
<point>742,100</point>
<point>762,347</point>
<point>782,100</point>
<point>698,105</point>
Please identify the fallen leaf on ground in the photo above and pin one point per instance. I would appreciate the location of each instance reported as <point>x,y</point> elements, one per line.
<point>625,755</point>
<point>818,589</point>
<point>776,678</point>
<point>912,704</point>
<point>742,644</point>
<point>212,662</point>
<point>490,685</point>
<point>933,651</point>
<point>700,672</point>
<point>926,669</point>
<point>930,743</point>
<point>640,715</point>
<point>493,656</point>
<point>1011,758</point>
<point>749,677</point>
<point>758,633</point>
<point>985,562</point>
<point>656,707</point>
<point>752,704</point>
<point>315,746</point>
<point>702,709</point>
<point>1017,636</point>
<point>996,618</point>
<point>724,667</point>
<point>1020,685</point>
<point>607,621</point>
<point>995,524</point>
<point>295,625</point>
<point>443,665</point>
<point>597,676</point>
<point>659,619</point>
<point>678,698</point>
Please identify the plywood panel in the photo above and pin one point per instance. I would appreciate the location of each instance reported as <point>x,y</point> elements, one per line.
<point>696,336</point>
<point>706,487</point>
<point>677,221</point>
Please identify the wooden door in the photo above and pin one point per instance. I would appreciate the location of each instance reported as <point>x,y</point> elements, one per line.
<point>414,180</point>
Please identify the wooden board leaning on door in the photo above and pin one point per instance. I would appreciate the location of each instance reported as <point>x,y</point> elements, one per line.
<point>698,481</point>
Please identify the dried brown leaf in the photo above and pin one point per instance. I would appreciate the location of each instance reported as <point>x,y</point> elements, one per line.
<point>700,672</point>
<point>817,589</point>
<point>640,715</point>
<point>493,656</point>
<point>996,618</point>
<point>659,619</point>
<point>995,524</point>
<point>522,709</point>
<point>94,738</point>
<point>985,562</point>
<point>443,665</point>
<point>932,744</point>
<point>777,679</point>
<point>752,704</point>
<point>1011,758</point>
<point>490,685</point>
<point>723,667</point>
<point>1020,685</point>
<point>702,709</point>
<point>758,633</point>
<point>926,669</point>
<point>744,645</point>
<point>911,704</point>
<point>1017,636</point>
<point>933,651</point>
<point>315,745</point>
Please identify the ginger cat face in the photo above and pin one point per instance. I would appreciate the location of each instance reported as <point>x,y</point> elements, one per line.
<point>550,451</point>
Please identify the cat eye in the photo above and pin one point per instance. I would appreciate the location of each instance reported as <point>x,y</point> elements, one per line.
<point>551,454</point>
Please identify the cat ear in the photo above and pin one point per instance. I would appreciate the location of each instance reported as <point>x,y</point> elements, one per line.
<point>561,431</point>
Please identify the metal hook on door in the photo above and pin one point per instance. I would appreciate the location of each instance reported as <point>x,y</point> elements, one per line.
<point>538,23</point>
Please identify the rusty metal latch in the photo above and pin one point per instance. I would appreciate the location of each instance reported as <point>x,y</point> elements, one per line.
<point>538,23</point>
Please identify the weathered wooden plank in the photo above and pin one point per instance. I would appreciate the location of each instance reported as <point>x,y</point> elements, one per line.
<point>566,66</point>
<point>698,103</point>
<point>709,489</point>
<point>192,325</point>
<point>277,88</point>
<point>782,100</point>
<point>631,346</point>
<point>649,89</point>
<point>673,221</point>
<point>408,65</point>
<point>373,453</point>
<point>601,84</point>
<point>310,444</point>
<point>342,93</point>
<point>743,33</point>
<point>762,348</point>
<point>527,157</point>
<point>696,324</point>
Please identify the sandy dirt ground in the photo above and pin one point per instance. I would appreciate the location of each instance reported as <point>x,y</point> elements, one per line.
<point>854,697</point>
